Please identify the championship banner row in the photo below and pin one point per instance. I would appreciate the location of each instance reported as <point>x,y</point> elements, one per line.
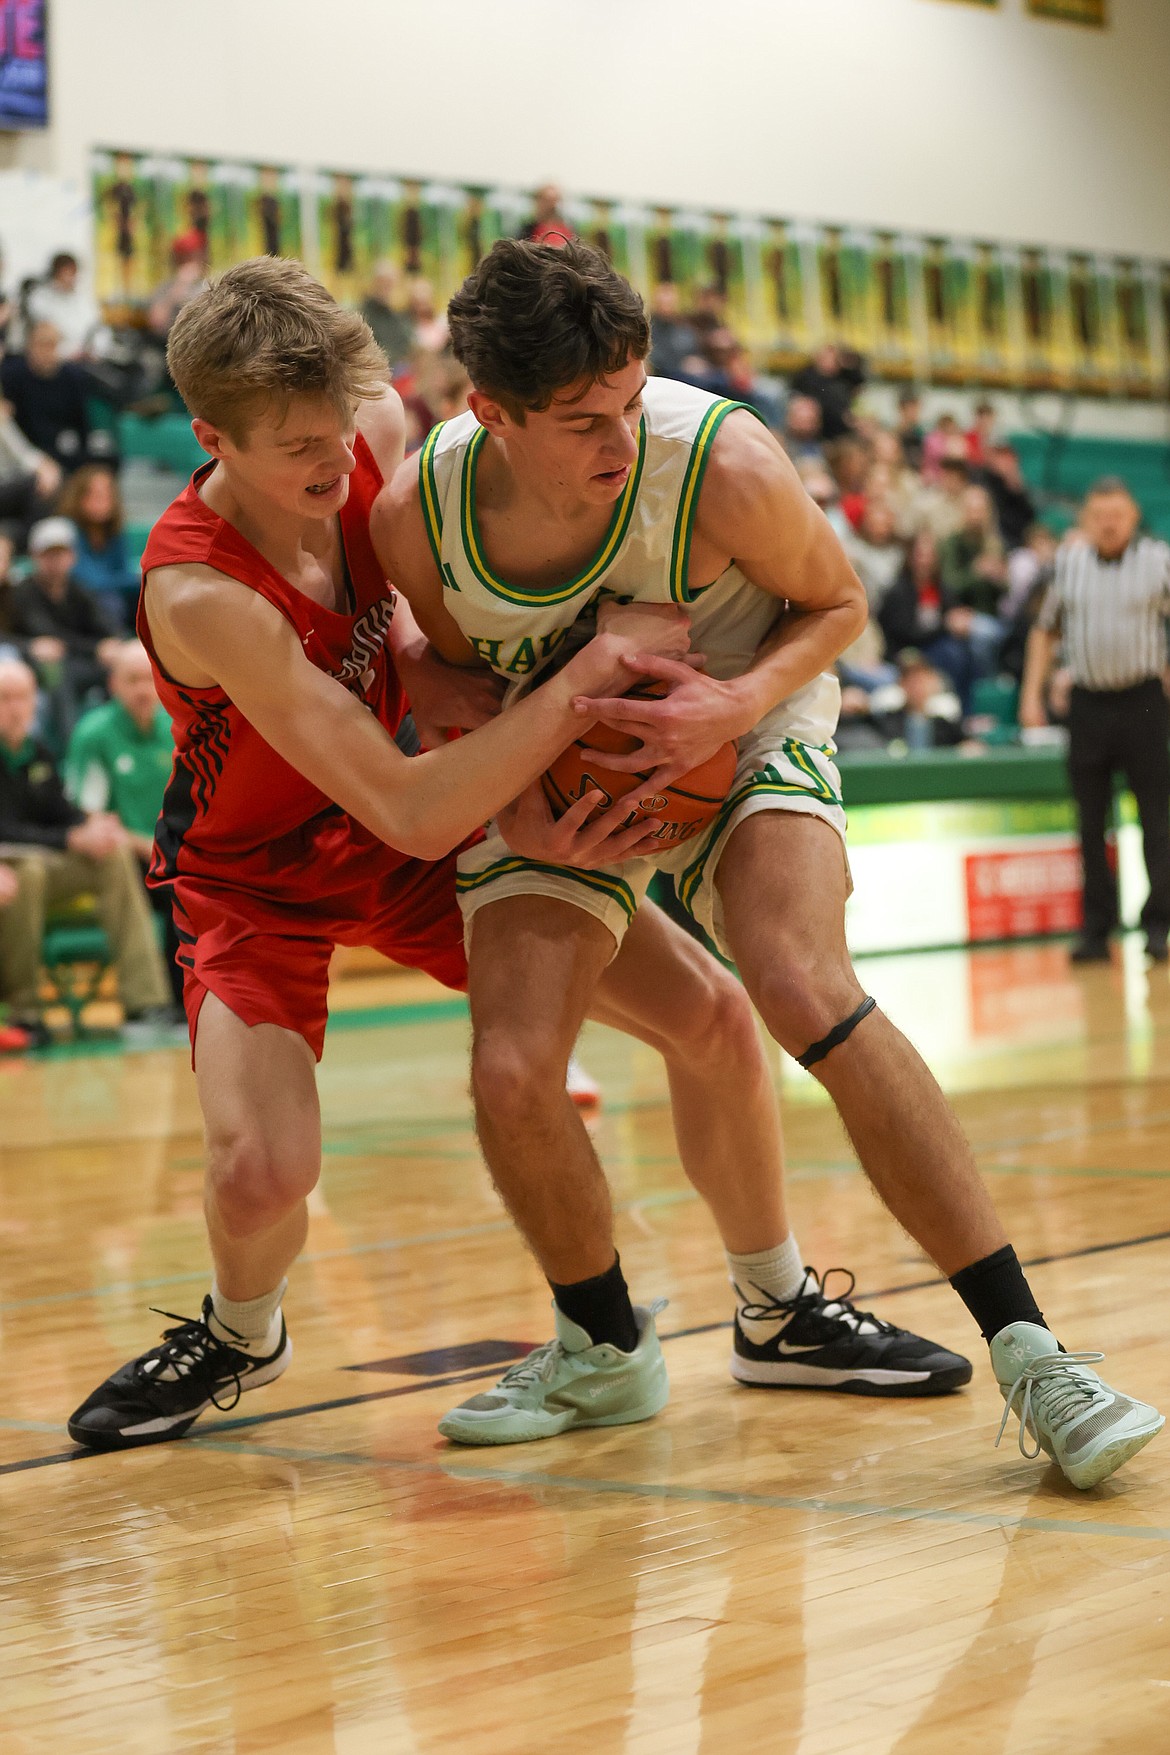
<point>939,310</point>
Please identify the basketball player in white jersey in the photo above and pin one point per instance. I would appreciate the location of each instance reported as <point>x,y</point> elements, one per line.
<point>572,480</point>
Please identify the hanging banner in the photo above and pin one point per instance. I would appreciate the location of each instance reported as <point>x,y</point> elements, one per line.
<point>1095,12</point>
<point>942,310</point>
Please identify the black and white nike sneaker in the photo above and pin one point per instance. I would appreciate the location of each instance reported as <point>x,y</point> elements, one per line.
<point>162,1394</point>
<point>819,1342</point>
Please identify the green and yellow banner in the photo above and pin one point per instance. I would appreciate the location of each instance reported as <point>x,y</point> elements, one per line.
<point>944,310</point>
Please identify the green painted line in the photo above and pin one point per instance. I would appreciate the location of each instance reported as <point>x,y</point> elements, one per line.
<point>528,1478</point>
<point>425,1011</point>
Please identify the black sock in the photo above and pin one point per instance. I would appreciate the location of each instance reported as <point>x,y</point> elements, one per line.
<point>601,1306</point>
<point>996,1292</point>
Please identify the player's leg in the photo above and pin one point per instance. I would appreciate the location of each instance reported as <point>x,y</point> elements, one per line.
<point>1144,753</point>
<point>535,960</point>
<point>534,964</point>
<point>667,991</point>
<point>782,885</point>
<point>1092,763</point>
<point>262,1126</point>
<point>257,1090</point>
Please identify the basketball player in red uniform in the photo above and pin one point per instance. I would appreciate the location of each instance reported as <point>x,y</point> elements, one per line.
<point>292,822</point>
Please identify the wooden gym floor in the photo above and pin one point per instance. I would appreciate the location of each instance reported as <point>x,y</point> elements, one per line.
<point>786,1573</point>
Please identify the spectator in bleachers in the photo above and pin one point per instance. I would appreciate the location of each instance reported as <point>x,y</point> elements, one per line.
<point>188,276</point>
<point>672,336</point>
<point>918,614</point>
<point>61,300</point>
<point>382,310</point>
<point>1030,565</point>
<point>943,440</point>
<point>66,635</point>
<point>801,437</point>
<point>974,570</point>
<point>59,853</point>
<point>851,460</point>
<point>876,552</point>
<point>832,378</point>
<point>119,760</point>
<point>1030,572</point>
<point>1015,509</point>
<point>909,428</point>
<point>940,505</point>
<point>902,486</point>
<point>48,397</point>
<point>28,478</point>
<point>93,504</point>
<point>920,711</point>
<point>430,330</point>
<point>820,486</point>
<point>980,435</point>
<point>548,224</point>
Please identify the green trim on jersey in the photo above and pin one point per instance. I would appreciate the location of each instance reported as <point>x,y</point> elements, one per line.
<point>688,500</point>
<point>765,781</point>
<point>537,597</point>
<point>615,888</point>
<point>428,493</point>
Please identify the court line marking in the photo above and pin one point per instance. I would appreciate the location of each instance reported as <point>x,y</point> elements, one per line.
<point>419,1385</point>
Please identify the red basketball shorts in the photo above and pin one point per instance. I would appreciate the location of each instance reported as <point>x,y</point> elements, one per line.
<point>266,954</point>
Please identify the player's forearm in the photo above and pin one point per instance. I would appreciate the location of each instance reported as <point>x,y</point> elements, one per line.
<point>806,643</point>
<point>442,796</point>
<point>1038,656</point>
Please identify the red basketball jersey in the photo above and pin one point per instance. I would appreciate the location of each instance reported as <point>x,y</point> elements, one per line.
<point>235,812</point>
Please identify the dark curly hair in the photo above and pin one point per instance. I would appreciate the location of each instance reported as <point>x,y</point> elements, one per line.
<point>534,319</point>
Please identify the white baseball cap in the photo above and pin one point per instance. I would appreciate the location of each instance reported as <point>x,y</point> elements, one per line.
<point>52,533</point>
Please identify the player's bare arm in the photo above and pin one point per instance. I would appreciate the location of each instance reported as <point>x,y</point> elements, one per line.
<point>1039,658</point>
<point>753,512</point>
<point>210,630</point>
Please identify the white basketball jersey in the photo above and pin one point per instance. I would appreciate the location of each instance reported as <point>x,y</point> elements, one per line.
<point>645,554</point>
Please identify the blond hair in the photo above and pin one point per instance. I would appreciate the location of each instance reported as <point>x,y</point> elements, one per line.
<point>262,333</point>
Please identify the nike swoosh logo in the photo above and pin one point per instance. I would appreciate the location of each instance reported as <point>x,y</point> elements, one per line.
<point>787,1348</point>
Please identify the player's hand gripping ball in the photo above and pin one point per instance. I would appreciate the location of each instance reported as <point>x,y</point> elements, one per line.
<point>684,808</point>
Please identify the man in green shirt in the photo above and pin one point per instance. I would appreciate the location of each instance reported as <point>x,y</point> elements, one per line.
<point>57,851</point>
<point>119,760</point>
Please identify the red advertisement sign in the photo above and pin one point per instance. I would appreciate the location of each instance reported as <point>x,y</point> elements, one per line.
<point>1020,894</point>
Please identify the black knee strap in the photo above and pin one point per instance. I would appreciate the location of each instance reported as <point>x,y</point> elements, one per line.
<point>836,1035</point>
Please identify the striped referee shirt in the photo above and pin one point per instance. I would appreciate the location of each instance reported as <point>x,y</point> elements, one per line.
<point>1111,614</point>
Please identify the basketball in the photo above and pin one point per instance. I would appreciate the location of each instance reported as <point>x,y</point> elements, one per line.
<point>683,808</point>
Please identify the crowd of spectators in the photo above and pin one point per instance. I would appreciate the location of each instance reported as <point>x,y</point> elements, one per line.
<point>85,748</point>
<point>937,521</point>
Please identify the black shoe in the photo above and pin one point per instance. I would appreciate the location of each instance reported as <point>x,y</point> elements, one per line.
<point>825,1343</point>
<point>1090,950</point>
<point>1158,947</point>
<point>164,1392</point>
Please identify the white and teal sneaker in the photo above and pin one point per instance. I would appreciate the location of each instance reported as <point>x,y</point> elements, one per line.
<point>566,1384</point>
<point>1088,1429</point>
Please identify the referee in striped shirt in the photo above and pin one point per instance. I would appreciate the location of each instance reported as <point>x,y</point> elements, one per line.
<point>1107,609</point>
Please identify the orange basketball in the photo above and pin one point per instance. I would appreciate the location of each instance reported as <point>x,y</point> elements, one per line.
<point>684,808</point>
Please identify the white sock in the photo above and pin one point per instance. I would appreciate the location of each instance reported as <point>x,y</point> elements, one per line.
<point>254,1323</point>
<point>769,1273</point>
